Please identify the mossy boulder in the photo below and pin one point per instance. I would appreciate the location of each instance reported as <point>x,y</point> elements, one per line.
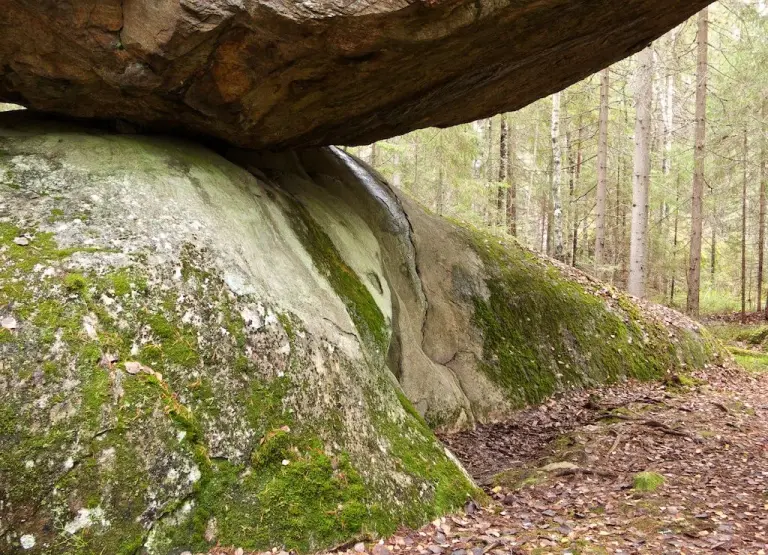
<point>188,358</point>
<point>252,349</point>
<point>513,327</point>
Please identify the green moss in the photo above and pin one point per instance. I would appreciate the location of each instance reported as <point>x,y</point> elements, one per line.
<point>75,283</point>
<point>177,343</point>
<point>544,333</point>
<point>752,361</point>
<point>647,481</point>
<point>56,215</point>
<point>421,456</point>
<point>121,283</point>
<point>360,304</point>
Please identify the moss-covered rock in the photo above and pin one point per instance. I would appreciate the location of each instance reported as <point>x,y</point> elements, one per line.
<point>544,332</point>
<point>513,327</point>
<point>253,350</point>
<point>194,362</point>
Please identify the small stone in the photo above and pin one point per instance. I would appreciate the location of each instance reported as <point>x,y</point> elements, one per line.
<point>9,323</point>
<point>186,553</point>
<point>22,242</point>
<point>379,549</point>
<point>108,360</point>
<point>436,549</point>
<point>27,541</point>
<point>360,547</point>
<point>560,466</point>
<point>211,530</point>
<point>239,551</point>
<point>133,367</point>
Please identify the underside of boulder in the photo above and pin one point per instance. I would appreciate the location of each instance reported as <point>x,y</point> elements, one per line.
<point>202,348</point>
<point>269,73</point>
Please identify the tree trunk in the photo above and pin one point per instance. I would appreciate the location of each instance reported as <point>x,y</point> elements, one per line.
<point>764,162</point>
<point>694,262</point>
<point>440,180</point>
<point>639,233</point>
<point>761,229</point>
<point>602,170</point>
<point>571,168</point>
<point>374,159</point>
<point>511,185</point>
<point>574,203</point>
<point>503,169</point>
<point>397,176</point>
<point>557,163</point>
<point>744,235</point>
<point>674,241</point>
<point>490,175</point>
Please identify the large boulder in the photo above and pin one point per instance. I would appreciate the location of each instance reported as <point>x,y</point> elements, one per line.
<point>201,347</point>
<point>266,73</point>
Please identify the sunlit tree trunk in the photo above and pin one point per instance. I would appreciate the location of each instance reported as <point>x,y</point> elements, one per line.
<point>575,205</point>
<point>639,234</point>
<point>557,163</point>
<point>602,170</point>
<point>694,262</point>
<point>397,176</point>
<point>574,226</point>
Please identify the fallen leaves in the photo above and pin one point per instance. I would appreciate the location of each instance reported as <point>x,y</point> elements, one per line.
<point>714,468</point>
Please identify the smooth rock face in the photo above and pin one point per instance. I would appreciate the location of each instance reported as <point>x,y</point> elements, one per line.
<point>271,73</point>
<point>198,349</point>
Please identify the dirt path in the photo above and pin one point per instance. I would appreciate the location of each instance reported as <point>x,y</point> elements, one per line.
<point>568,475</point>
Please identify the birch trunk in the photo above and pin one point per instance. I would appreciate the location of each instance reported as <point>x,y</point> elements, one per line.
<point>602,171</point>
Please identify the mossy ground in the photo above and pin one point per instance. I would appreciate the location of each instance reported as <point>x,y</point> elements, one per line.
<point>544,333</point>
<point>647,482</point>
<point>747,343</point>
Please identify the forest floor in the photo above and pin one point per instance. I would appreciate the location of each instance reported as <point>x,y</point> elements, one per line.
<point>680,467</point>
